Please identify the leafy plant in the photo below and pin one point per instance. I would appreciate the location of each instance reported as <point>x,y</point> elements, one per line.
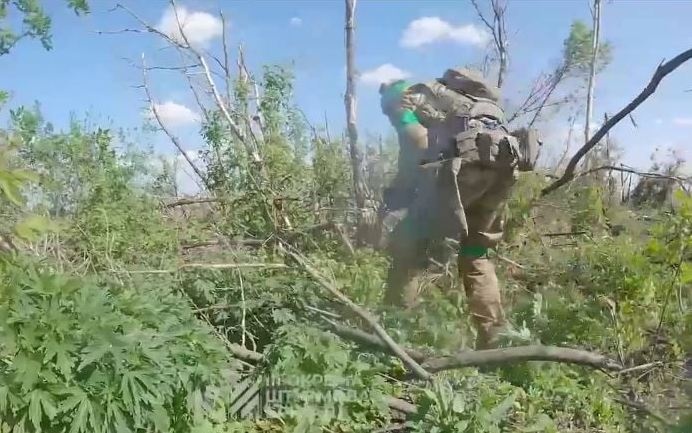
<point>79,355</point>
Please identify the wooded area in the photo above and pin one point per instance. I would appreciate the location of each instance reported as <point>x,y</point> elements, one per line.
<point>127,307</point>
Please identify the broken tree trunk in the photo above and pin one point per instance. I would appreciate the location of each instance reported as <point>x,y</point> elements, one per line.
<point>359,187</point>
<point>592,67</point>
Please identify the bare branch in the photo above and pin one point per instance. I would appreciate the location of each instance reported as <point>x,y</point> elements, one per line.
<point>185,45</point>
<point>175,140</point>
<point>191,201</point>
<point>661,72</point>
<point>221,242</point>
<point>625,169</point>
<point>372,341</point>
<point>498,31</point>
<point>435,364</point>
<point>521,354</point>
<point>596,14</point>
<point>207,266</point>
<point>361,312</point>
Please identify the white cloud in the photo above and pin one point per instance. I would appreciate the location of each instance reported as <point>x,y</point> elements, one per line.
<point>383,74</point>
<point>428,30</point>
<point>683,121</point>
<point>199,27</point>
<point>173,114</point>
<point>296,22</point>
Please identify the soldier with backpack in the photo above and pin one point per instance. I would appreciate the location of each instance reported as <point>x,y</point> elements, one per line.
<point>471,164</point>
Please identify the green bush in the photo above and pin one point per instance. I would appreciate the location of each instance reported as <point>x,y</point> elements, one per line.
<point>83,356</point>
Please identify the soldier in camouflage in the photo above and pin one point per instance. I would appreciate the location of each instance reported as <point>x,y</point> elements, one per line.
<point>413,143</point>
<point>461,193</point>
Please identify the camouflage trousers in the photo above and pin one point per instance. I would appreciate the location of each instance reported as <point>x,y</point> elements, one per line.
<point>430,219</point>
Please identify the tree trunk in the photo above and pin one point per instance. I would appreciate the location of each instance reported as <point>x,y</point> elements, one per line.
<point>592,73</point>
<point>360,189</point>
<point>501,40</point>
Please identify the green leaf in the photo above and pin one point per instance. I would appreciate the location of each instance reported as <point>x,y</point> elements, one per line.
<point>500,411</point>
<point>543,423</point>
<point>458,404</point>
<point>686,273</point>
<point>27,371</point>
<point>80,419</point>
<point>10,186</point>
<point>92,354</point>
<point>40,403</point>
<point>4,391</point>
<point>160,417</point>
<point>120,422</point>
<point>34,226</point>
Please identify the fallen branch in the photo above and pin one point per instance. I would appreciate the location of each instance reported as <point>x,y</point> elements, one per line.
<point>521,354</point>
<point>364,314</point>
<point>371,341</point>
<point>554,235</point>
<point>336,228</point>
<point>661,72</point>
<point>191,201</point>
<point>509,261</point>
<point>624,169</point>
<point>644,409</point>
<point>220,242</point>
<point>206,266</point>
<point>477,358</point>
<point>401,405</point>
<point>244,354</point>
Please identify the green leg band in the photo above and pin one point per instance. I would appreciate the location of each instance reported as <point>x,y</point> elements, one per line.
<point>473,251</point>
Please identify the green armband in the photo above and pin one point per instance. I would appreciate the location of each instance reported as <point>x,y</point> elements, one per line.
<point>408,117</point>
<point>473,251</point>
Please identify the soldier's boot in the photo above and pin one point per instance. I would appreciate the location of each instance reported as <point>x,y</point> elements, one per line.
<point>483,294</point>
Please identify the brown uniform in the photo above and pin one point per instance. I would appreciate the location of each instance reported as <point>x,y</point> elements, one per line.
<point>439,211</point>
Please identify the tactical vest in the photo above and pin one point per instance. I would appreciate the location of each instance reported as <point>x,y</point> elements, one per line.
<point>466,122</point>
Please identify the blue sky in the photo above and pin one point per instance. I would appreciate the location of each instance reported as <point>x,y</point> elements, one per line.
<point>87,73</point>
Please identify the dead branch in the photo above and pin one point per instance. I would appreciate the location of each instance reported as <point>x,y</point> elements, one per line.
<point>509,261</point>
<point>521,354</point>
<point>359,185</point>
<point>435,364</point>
<point>361,312</point>
<point>554,235</point>
<point>174,139</point>
<point>625,169</point>
<point>644,409</point>
<point>661,72</point>
<point>335,228</point>
<point>193,89</point>
<point>186,46</point>
<point>191,201</point>
<point>226,62</point>
<point>206,266</point>
<point>592,67</point>
<point>401,405</point>
<point>371,341</point>
<point>245,354</point>
<point>225,242</point>
<point>499,32</point>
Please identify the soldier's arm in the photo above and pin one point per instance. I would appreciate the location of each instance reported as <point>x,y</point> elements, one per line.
<point>416,114</point>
